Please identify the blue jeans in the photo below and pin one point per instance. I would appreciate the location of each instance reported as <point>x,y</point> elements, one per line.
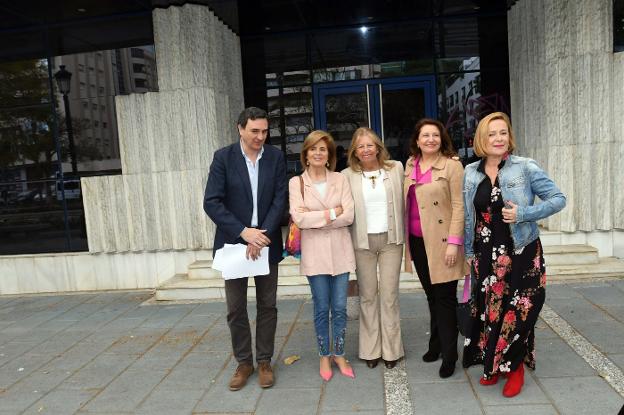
<point>330,293</point>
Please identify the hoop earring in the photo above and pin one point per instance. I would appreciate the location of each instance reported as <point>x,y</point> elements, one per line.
<point>327,164</point>
<point>307,163</point>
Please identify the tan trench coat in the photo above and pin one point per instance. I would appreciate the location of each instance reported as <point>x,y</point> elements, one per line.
<point>441,214</point>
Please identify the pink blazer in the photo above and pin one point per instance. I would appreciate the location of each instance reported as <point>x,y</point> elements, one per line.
<point>326,246</point>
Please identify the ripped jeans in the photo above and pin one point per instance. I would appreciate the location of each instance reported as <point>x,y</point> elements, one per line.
<point>330,293</point>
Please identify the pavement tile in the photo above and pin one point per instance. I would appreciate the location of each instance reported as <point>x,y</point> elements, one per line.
<point>616,311</point>
<point>18,400</point>
<point>283,327</point>
<point>602,294</point>
<point>424,372</point>
<point>543,331</point>
<point>443,398</point>
<point>163,401</point>
<point>283,401</point>
<point>11,350</point>
<point>578,311</point>
<point>493,395</point>
<point>618,359</point>
<point>78,356</point>
<point>365,392</point>
<point>220,399</point>
<point>98,373</point>
<point>136,342</point>
<point>608,337</point>
<point>126,392</point>
<point>196,371</point>
<point>59,402</point>
<point>583,395</point>
<point>561,291</point>
<point>556,359</point>
<point>520,410</point>
<point>304,373</point>
<point>17,369</point>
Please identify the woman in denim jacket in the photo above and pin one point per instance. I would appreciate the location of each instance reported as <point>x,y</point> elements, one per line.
<point>501,242</point>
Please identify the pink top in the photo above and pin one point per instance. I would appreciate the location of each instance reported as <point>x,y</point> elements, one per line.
<point>414,213</point>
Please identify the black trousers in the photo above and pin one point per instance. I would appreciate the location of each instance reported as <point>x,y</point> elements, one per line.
<point>266,316</point>
<point>442,300</point>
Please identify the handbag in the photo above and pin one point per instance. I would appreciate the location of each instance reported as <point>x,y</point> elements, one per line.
<point>464,309</point>
<point>293,240</point>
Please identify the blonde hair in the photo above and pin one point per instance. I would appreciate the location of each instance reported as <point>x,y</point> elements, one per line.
<point>312,139</point>
<point>383,158</point>
<point>481,135</point>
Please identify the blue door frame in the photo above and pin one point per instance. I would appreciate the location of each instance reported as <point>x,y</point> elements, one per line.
<point>426,82</point>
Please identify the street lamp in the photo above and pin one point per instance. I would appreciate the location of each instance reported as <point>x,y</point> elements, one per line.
<point>63,80</point>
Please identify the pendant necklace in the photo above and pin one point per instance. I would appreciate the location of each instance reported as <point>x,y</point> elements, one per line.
<point>373,177</point>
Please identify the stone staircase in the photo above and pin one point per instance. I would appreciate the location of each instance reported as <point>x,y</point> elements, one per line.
<point>563,262</point>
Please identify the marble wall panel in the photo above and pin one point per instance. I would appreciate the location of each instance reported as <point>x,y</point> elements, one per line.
<point>567,90</point>
<point>617,188</point>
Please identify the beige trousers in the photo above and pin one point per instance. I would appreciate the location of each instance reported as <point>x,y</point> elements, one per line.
<point>380,319</point>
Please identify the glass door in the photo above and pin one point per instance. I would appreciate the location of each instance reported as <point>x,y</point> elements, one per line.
<point>390,106</point>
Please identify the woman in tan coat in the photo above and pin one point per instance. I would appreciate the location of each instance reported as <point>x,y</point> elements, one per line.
<point>378,237</point>
<point>322,207</point>
<point>435,224</point>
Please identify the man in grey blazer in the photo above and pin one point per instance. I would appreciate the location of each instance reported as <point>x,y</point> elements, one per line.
<point>245,197</point>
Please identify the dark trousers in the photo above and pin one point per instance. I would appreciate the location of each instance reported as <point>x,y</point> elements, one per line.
<point>442,299</point>
<point>266,316</point>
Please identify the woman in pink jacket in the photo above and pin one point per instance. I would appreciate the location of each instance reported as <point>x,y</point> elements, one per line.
<point>322,207</point>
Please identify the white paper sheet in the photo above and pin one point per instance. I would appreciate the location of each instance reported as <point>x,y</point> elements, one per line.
<point>232,263</point>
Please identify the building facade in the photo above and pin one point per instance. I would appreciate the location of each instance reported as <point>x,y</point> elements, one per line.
<point>150,109</point>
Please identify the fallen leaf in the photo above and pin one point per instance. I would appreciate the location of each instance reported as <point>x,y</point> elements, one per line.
<point>291,359</point>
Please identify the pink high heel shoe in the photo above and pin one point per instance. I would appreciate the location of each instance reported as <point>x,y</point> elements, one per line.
<point>326,375</point>
<point>347,370</point>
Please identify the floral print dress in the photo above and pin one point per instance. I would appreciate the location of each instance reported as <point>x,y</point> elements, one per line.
<point>508,291</point>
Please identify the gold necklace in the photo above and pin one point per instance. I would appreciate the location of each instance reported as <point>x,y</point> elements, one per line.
<point>373,178</point>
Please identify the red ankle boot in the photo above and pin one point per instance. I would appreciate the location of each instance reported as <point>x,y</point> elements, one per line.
<point>514,382</point>
<point>488,382</point>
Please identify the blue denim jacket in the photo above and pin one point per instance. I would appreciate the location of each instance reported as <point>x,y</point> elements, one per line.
<point>520,180</point>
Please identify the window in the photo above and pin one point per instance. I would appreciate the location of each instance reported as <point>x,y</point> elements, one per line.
<point>138,68</point>
<point>137,53</point>
<point>101,90</point>
<point>94,106</point>
<point>618,25</point>
<point>140,83</point>
<point>96,123</point>
<point>104,124</point>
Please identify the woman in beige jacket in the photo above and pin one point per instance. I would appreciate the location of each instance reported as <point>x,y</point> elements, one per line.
<point>378,237</point>
<point>322,207</point>
<point>435,224</point>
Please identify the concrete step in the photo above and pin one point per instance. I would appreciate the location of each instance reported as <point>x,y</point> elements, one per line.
<point>549,238</point>
<point>203,269</point>
<point>181,287</point>
<point>606,267</point>
<point>570,255</point>
<point>563,262</point>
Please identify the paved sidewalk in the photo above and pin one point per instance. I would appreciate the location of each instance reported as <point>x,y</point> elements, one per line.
<point>106,353</point>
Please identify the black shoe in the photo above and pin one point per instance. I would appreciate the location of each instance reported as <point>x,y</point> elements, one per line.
<point>372,363</point>
<point>430,356</point>
<point>447,369</point>
<point>390,363</point>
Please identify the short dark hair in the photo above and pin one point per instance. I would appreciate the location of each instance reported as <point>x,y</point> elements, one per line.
<point>251,113</point>
<point>446,145</point>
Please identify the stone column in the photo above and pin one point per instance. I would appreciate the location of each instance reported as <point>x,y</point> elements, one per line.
<point>566,101</point>
<point>167,139</point>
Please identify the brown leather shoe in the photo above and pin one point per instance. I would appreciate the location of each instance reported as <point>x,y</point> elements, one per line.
<point>243,371</point>
<point>265,374</point>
